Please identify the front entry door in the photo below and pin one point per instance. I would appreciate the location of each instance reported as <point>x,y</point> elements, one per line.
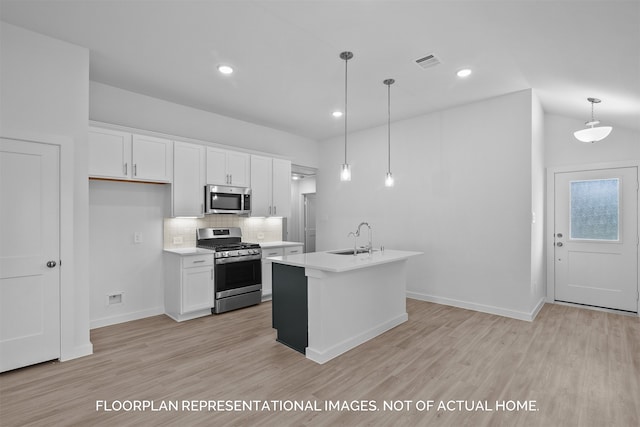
<point>29,253</point>
<point>596,238</point>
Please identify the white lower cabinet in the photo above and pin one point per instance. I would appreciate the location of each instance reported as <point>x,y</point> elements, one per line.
<point>188,285</point>
<point>266,270</point>
<point>267,288</point>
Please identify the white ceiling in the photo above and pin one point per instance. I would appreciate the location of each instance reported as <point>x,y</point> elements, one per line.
<point>290,77</point>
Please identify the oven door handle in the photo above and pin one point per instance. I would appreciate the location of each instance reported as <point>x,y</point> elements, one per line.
<point>238,259</point>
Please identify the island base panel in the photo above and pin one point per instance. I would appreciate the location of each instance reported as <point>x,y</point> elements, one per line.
<point>289,306</point>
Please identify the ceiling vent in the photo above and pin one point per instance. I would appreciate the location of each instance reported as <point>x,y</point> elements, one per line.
<point>428,61</point>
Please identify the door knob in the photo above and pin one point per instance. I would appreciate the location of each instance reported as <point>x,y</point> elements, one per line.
<point>559,244</point>
<point>51,264</point>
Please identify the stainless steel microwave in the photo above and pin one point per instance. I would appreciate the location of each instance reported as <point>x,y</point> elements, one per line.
<point>222,199</point>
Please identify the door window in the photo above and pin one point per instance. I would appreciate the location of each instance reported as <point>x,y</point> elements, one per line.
<point>595,209</point>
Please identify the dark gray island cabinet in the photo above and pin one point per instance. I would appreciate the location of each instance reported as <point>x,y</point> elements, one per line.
<point>289,306</point>
<point>325,303</point>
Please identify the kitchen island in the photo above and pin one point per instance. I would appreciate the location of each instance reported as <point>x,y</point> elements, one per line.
<point>325,303</point>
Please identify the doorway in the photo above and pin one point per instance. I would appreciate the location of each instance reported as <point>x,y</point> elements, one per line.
<point>595,237</point>
<point>29,253</point>
<point>310,222</point>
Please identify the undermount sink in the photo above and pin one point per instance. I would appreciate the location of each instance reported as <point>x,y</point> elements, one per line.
<point>350,251</point>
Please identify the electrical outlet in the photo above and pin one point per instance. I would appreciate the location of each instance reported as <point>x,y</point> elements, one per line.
<point>137,237</point>
<point>177,240</point>
<point>260,236</point>
<point>114,298</point>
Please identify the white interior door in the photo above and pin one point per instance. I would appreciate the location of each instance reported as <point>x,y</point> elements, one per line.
<point>310,222</point>
<point>596,238</point>
<point>29,253</point>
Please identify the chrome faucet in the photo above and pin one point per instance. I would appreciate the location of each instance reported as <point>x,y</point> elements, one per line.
<point>355,235</point>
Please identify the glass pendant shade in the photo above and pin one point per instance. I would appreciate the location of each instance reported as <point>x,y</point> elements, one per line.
<point>593,134</point>
<point>388,181</point>
<point>345,173</point>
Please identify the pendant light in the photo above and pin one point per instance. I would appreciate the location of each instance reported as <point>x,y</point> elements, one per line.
<point>345,173</point>
<point>591,133</point>
<point>388,181</point>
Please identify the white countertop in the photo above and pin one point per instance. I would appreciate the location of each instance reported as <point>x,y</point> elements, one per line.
<point>200,251</point>
<point>279,244</point>
<point>189,251</point>
<point>326,261</point>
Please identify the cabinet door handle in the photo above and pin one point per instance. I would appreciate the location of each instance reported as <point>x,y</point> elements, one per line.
<point>125,168</point>
<point>200,260</point>
<point>275,210</point>
<point>135,169</point>
<point>269,210</point>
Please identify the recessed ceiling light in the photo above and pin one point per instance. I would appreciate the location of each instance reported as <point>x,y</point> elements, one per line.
<point>225,69</point>
<point>337,114</point>
<point>465,72</point>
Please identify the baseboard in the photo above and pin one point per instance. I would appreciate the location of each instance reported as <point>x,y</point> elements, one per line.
<point>538,307</point>
<point>499,311</point>
<point>346,345</point>
<point>126,317</point>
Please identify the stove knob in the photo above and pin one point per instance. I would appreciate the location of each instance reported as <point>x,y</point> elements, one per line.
<point>225,254</point>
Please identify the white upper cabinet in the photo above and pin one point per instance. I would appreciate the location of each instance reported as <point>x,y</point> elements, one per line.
<point>152,158</point>
<point>109,153</point>
<point>227,167</point>
<point>122,155</point>
<point>261,177</point>
<point>270,186</point>
<point>187,192</point>
<point>281,188</point>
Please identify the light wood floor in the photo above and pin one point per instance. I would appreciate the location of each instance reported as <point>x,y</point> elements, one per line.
<point>581,368</point>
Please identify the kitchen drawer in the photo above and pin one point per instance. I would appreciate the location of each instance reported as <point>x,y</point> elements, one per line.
<point>292,250</point>
<point>197,260</point>
<point>266,253</point>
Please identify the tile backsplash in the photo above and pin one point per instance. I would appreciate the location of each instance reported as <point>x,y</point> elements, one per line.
<point>253,229</point>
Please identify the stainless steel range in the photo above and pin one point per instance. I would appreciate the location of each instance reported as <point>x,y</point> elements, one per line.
<point>238,268</point>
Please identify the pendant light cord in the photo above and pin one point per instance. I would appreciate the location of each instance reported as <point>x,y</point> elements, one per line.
<point>346,60</point>
<point>389,127</point>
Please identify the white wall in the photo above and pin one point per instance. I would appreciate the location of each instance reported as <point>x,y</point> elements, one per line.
<point>117,211</point>
<point>463,196</point>
<point>117,106</point>
<point>45,97</point>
